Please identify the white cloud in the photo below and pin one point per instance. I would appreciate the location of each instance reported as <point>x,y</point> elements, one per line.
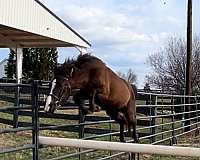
<point>123,33</point>
<point>109,27</point>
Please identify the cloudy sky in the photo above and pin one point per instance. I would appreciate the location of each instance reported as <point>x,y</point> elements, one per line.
<point>124,32</point>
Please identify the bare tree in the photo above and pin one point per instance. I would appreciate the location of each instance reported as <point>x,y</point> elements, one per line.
<point>130,76</point>
<point>168,66</point>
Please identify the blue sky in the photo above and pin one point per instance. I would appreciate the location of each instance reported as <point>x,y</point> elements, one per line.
<point>123,32</point>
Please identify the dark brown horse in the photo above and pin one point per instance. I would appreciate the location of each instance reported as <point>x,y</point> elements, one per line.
<point>100,85</point>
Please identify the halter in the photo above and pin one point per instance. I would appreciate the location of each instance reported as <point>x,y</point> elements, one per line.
<point>68,88</point>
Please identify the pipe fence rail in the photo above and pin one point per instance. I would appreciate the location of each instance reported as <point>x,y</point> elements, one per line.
<point>117,146</point>
<point>161,119</point>
<point>10,92</point>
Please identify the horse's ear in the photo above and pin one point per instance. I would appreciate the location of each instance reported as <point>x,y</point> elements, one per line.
<point>57,69</point>
<point>71,71</point>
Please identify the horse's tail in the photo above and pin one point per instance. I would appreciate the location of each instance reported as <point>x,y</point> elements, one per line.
<point>132,105</point>
<point>134,89</point>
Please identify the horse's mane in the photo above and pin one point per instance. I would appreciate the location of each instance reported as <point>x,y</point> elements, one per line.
<point>81,59</point>
<point>87,58</point>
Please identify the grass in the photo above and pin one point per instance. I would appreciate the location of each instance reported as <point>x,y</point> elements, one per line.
<point>189,140</point>
<point>21,138</point>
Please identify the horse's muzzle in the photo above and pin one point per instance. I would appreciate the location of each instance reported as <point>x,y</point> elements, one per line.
<point>50,106</point>
<point>47,105</point>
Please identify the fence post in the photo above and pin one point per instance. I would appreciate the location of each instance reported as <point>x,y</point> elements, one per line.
<point>35,119</point>
<point>16,111</point>
<point>197,116</point>
<point>183,101</point>
<point>162,128</point>
<point>81,120</point>
<point>173,140</point>
<point>110,130</point>
<point>153,100</point>
<point>187,115</point>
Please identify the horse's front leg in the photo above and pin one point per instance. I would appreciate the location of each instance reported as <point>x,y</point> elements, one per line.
<point>79,97</point>
<point>92,106</point>
<point>122,132</point>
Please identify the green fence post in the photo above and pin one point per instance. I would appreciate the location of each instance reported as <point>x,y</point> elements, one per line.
<point>35,120</point>
<point>81,120</point>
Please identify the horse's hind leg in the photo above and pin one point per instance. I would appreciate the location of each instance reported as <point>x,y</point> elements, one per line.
<point>122,121</point>
<point>134,134</point>
<point>119,118</point>
<point>122,132</point>
<point>131,116</point>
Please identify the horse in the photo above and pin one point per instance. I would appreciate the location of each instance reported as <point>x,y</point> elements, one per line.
<point>98,83</point>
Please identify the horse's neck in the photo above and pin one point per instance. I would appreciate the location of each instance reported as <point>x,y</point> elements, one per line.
<point>79,81</point>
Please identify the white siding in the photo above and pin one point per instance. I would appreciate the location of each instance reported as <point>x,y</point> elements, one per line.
<point>30,16</point>
<point>3,64</point>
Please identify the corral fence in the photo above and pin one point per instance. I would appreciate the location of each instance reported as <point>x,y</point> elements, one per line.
<point>161,119</point>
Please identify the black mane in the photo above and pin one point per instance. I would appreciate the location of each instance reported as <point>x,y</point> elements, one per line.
<point>81,59</point>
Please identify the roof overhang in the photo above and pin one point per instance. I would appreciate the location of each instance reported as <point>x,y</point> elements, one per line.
<point>11,38</point>
<point>28,23</point>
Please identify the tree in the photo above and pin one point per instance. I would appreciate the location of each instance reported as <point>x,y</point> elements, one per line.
<point>168,66</point>
<point>10,69</point>
<point>147,87</point>
<point>130,76</point>
<point>38,63</point>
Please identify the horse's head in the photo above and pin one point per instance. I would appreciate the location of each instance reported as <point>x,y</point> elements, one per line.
<point>60,89</point>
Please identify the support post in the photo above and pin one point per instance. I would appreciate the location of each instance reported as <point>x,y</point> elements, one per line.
<point>19,59</point>
<point>188,66</point>
<point>82,50</point>
<point>19,53</point>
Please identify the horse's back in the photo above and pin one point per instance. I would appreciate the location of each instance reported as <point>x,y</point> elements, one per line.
<point>119,88</point>
<point>105,80</point>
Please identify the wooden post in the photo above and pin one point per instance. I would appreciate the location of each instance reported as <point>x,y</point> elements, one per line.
<point>189,57</point>
<point>19,58</point>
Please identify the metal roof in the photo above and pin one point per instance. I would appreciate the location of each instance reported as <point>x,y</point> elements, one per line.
<point>28,23</point>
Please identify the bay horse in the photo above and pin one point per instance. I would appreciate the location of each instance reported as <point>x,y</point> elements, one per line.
<point>100,85</point>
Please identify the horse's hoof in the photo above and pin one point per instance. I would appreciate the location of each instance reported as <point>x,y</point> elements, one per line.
<point>90,112</point>
<point>97,109</point>
<point>122,140</point>
<point>136,141</point>
<point>94,109</point>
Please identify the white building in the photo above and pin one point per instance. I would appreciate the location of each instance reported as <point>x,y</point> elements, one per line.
<point>3,65</point>
<point>28,23</point>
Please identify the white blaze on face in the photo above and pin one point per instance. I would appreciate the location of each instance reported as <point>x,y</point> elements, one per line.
<point>49,98</point>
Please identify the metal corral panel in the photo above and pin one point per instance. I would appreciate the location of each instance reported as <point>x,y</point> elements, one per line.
<point>33,17</point>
